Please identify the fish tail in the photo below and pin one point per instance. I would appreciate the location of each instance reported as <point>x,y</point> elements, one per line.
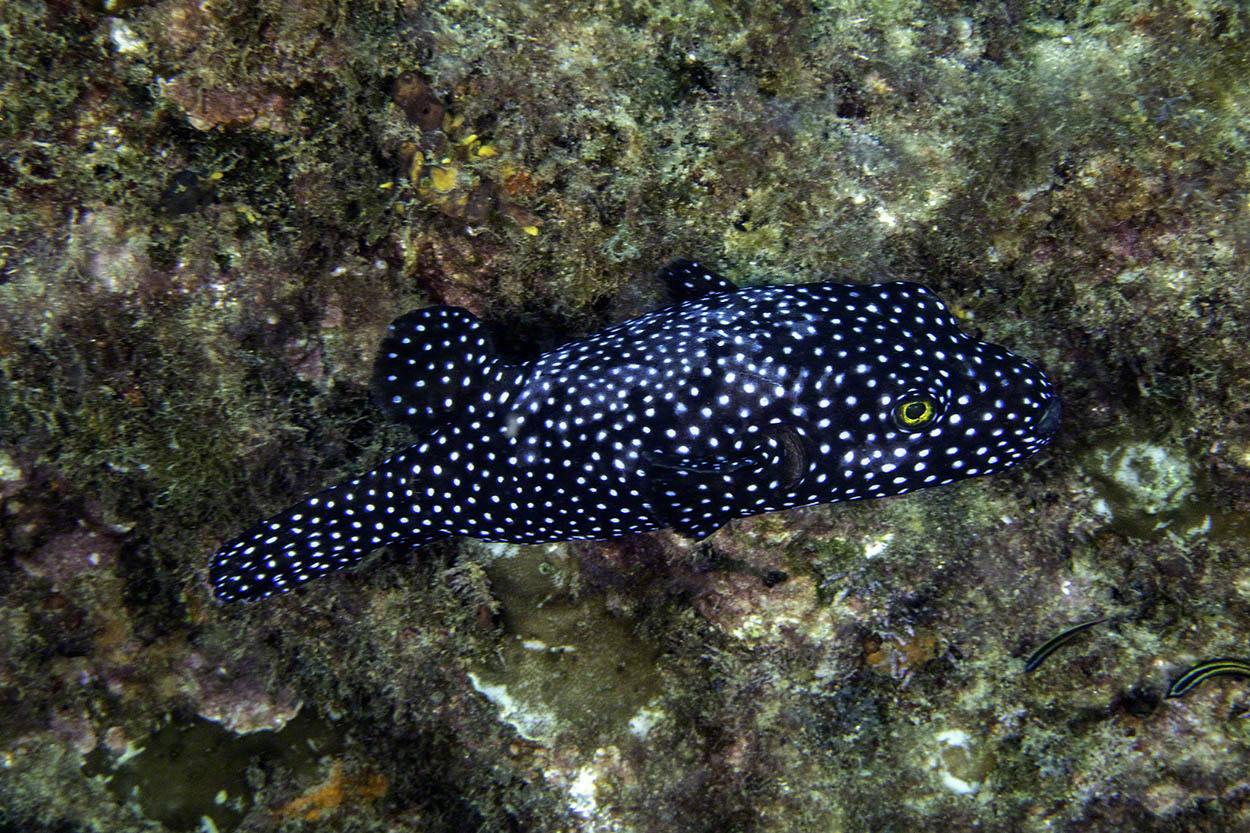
<point>328,531</point>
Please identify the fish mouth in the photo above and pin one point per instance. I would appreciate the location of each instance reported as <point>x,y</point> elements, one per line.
<point>1049,422</point>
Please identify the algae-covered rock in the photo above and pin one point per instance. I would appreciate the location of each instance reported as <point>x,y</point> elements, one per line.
<point>210,211</point>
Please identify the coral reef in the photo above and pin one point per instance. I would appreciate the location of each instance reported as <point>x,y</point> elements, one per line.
<point>210,211</point>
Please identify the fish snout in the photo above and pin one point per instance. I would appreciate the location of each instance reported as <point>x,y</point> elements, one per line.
<point>1048,423</point>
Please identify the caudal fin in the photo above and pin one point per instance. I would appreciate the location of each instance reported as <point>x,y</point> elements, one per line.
<point>436,366</point>
<point>328,531</point>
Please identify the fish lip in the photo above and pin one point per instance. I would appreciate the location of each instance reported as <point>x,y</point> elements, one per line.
<point>1049,422</point>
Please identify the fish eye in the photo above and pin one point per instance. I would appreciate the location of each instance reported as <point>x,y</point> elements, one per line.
<point>915,412</point>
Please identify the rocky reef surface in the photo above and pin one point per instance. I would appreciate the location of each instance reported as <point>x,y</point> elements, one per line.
<point>209,211</point>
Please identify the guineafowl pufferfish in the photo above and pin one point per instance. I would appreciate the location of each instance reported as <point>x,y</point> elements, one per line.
<point>729,403</point>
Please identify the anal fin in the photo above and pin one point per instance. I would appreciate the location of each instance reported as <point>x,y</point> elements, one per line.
<point>431,363</point>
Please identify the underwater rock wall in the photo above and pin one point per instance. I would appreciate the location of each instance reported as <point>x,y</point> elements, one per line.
<point>212,210</point>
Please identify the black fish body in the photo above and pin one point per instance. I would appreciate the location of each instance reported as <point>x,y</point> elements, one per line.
<point>730,403</point>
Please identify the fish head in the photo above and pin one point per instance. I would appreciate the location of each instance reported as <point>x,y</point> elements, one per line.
<point>926,403</point>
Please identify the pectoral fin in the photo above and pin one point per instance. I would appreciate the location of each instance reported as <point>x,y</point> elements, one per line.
<point>697,496</point>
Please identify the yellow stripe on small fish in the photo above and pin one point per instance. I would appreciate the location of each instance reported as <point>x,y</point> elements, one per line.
<point>1203,671</point>
<point>1056,642</point>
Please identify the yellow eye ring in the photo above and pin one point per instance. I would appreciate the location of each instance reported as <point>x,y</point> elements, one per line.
<point>914,414</point>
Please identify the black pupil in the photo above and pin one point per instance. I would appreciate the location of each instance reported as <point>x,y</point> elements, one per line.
<point>913,410</point>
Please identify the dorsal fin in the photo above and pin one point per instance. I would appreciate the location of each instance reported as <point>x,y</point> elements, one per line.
<point>688,280</point>
<point>432,363</point>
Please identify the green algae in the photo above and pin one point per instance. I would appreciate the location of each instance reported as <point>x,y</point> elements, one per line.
<point>1145,486</point>
<point>189,770</point>
<point>1146,490</point>
<point>566,666</point>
